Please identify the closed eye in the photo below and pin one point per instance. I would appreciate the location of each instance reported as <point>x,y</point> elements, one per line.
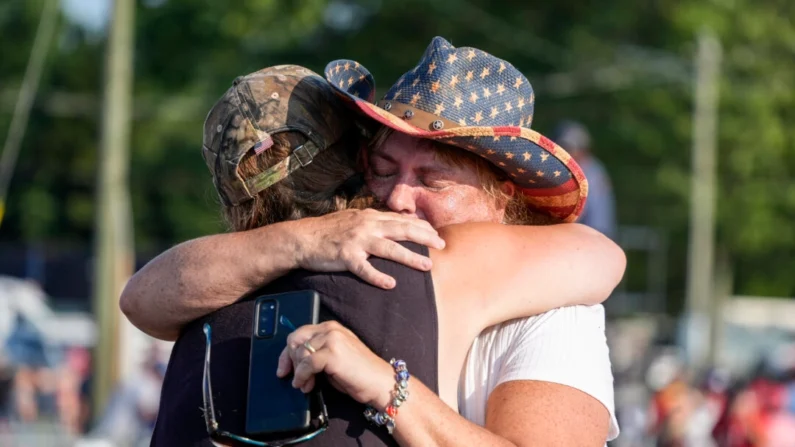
<point>434,184</point>
<point>379,175</point>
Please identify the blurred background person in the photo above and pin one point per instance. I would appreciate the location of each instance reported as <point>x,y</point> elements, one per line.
<point>131,414</point>
<point>599,212</point>
<point>32,384</point>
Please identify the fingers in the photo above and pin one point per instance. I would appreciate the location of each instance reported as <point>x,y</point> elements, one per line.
<point>326,339</point>
<point>362,268</point>
<point>412,230</point>
<point>393,251</point>
<point>310,363</point>
<point>295,350</point>
<point>305,371</point>
<point>408,228</point>
<point>285,363</point>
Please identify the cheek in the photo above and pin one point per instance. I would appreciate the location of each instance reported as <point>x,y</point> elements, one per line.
<point>439,210</point>
<point>456,206</point>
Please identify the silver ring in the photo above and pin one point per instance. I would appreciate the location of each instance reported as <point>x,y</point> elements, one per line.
<point>309,347</point>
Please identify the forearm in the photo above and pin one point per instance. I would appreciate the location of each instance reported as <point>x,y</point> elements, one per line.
<point>571,265</point>
<point>425,421</point>
<point>531,270</point>
<point>200,276</point>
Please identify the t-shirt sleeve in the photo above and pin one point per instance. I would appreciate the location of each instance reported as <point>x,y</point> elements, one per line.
<point>565,346</point>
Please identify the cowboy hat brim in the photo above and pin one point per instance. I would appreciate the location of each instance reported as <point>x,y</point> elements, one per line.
<point>551,180</point>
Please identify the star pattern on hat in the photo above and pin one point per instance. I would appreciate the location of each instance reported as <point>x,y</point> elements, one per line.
<point>475,90</point>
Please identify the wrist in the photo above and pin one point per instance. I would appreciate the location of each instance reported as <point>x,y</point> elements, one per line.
<point>397,398</point>
<point>384,387</point>
<point>294,235</point>
<point>282,247</point>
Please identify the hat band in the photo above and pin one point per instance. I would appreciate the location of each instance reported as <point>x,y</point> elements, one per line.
<point>301,156</point>
<point>416,117</point>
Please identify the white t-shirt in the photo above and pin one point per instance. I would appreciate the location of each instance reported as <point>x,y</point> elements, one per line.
<point>565,346</point>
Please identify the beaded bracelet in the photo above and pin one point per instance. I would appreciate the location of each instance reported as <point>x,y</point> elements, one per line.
<point>399,395</point>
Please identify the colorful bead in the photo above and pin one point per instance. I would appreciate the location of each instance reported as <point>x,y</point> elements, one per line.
<point>370,413</point>
<point>399,396</point>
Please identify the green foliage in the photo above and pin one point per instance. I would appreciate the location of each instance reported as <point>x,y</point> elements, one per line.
<point>189,51</point>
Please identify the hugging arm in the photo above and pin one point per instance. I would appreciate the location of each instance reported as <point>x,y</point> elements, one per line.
<point>200,276</point>
<point>554,388</point>
<point>495,273</point>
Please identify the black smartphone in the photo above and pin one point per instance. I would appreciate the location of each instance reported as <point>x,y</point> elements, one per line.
<point>274,406</point>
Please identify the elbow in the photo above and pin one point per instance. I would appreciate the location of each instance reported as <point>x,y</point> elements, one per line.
<point>617,263</point>
<point>131,305</point>
<point>608,264</point>
<point>612,267</point>
<point>127,302</point>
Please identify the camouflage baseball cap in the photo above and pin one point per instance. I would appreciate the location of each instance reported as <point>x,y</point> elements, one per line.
<point>259,105</point>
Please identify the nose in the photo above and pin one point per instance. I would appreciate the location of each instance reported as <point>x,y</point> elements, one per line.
<point>401,199</point>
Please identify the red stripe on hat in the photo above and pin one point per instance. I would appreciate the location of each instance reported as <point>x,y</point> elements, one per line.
<point>546,143</point>
<point>508,131</point>
<point>579,207</point>
<point>569,186</point>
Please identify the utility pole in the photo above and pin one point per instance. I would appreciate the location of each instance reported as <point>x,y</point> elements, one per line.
<point>724,288</point>
<point>113,259</point>
<point>701,245</point>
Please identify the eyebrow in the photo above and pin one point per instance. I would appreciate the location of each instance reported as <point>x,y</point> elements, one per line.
<point>425,170</point>
<point>441,168</point>
<point>382,154</point>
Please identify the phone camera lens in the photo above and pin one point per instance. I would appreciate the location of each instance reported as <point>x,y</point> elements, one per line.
<point>267,319</point>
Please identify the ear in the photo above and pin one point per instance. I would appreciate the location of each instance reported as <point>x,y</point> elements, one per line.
<point>508,188</point>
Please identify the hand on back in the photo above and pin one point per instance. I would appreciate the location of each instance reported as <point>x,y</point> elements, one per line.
<point>345,240</point>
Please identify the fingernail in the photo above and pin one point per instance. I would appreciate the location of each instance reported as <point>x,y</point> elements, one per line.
<point>426,264</point>
<point>295,385</point>
<point>389,283</point>
<point>279,370</point>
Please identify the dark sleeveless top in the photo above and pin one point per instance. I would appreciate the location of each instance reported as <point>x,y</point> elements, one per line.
<point>398,323</point>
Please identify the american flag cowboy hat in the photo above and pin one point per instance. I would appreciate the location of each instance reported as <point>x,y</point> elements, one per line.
<point>470,99</point>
